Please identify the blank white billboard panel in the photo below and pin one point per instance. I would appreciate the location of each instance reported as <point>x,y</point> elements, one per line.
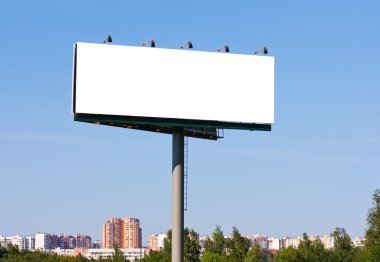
<point>166,83</point>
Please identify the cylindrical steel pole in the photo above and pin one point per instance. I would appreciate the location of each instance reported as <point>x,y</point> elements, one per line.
<point>178,195</point>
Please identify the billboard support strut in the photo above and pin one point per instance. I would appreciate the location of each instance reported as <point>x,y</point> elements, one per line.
<point>178,195</point>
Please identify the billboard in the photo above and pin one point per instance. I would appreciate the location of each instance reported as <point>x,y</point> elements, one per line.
<point>114,84</point>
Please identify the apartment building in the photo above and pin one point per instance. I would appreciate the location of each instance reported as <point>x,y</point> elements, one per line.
<point>123,232</point>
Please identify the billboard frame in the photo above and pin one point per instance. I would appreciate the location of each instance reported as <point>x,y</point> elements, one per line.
<point>206,129</point>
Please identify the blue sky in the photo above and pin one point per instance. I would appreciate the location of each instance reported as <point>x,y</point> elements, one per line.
<point>315,171</point>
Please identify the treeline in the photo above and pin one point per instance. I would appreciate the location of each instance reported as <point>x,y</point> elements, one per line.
<point>12,254</point>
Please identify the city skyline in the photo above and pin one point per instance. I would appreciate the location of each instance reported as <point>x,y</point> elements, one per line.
<point>46,241</point>
<point>161,235</point>
<point>316,170</point>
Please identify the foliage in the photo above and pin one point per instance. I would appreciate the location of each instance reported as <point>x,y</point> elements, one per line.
<point>342,240</point>
<point>312,250</point>
<point>209,256</point>
<point>13,254</point>
<point>343,247</point>
<point>118,255</point>
<point>219,248</point>
<point>289,254</point>
<point>359,254</point>
<point>256,254</point>
<point>216,244</point>
<point>168,244</point>
<point>372,234</point>
<point>155,256</point>
<point>192,249</point>
<point>238,246</point>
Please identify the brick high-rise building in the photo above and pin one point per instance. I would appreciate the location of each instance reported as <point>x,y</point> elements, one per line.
<point>123,232</point>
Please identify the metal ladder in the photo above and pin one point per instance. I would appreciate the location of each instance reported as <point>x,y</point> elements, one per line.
<point>186,170</point>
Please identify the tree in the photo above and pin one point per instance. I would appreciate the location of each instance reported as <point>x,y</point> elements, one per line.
<point>118,255</point>
<point>256,254</point>
<point>3,251</point>
<point>13,254</point>
<point>192,249</point>
<point>289,254</point>
<point>342,239</point>
<point>217,248</point>
<point>12,250</point>
<point>312,250</point>
<point>155,256</point>
<point>168,244</point>
<point>216,243</point>
<point>209,256</point>
<point>372,234</point>
<point>238,246</point>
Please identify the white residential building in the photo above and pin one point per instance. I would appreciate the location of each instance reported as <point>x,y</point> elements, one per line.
<point>41,241</point>
<point>4,241</point>
<point>23,243</point>
<point>261,240</point>
<point>294,242</point>
<point>18,241</point>
<point>160,240</point>
<point>327,240</point>
<point>30,243</point>
<point>358,241</point>
<point>274,243</point>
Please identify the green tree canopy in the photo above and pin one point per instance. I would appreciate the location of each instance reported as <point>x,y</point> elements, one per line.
<point>155,256</point>
<point>312,250</point>
<point>191,246</point>
<point>256,254</point>
<point>372,234</point>
<point>342,240</point>
<point>216,243</point>
<point>289,254</point>
<point>209,256</point>
<point>192,249</point>
<point>237,246</point>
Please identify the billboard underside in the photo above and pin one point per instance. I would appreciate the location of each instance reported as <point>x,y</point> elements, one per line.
<point>159,89</point>
<point>193,128</point>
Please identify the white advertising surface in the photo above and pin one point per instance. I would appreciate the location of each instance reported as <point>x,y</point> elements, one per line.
<point>170,83</point>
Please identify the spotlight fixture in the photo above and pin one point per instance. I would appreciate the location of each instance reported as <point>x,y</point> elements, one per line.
<point>225,48</point>
<point>108,39</point>
<point>264,49</point>
<point>188,43</point>
<point>151,42</point>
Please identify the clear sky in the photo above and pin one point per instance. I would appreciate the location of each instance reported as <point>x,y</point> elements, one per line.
<point>315,171</point>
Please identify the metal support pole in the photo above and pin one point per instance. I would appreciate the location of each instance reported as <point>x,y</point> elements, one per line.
<point>177,195</point>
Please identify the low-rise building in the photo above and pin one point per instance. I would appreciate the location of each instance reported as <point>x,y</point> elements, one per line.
<point>358,241</point>
<point>275,243</point>
<point>129,253</point>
